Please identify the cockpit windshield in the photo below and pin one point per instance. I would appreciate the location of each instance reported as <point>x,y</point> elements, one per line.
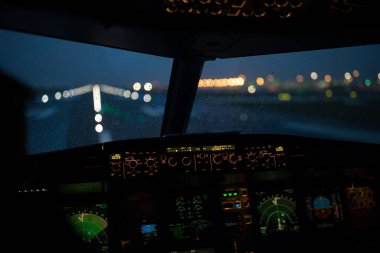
<point>330,93</point>
<point>85,94</point>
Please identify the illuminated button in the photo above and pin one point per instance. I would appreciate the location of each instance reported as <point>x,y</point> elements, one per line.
<point>279,149</point>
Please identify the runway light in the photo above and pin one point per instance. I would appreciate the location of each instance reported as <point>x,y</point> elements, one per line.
<point>147,98</point>
<point>98,117</point>
<point>99,128</point>
<point>96,98</point>
<point>221,83</point>
<point>251,89</point>
<point>112,90</point>
<point>136,86</point>
<point>314,75</point>
<point>260,81</point>
<point>127,94</point>
<point>240,81</point>
<point>148,86</point>
<point>347,76</point>
<point>58,95</point>
<point>65,94</point>
<point>45,98</point>
<point>299,78</point>
<point>135,95</point>
<point>328,78</point>
<point>80,90</point>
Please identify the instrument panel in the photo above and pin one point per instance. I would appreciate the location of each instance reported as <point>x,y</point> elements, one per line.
<point>223,195</point>
<point>226,158</point>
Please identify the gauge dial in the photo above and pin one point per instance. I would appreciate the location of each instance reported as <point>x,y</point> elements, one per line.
<point>277,212</point>
<point>90,224</point>
<point>322,207</point>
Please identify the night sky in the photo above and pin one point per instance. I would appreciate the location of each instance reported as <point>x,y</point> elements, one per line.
<point>49,62</point>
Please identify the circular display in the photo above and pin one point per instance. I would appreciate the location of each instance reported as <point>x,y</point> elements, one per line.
<point>91,226</point>
<point>322,207</point>
<point>277,213</point>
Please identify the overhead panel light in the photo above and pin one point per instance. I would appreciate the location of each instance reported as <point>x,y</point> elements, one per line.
<point>235,8</point>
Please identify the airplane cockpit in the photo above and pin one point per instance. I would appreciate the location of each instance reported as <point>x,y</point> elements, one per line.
<point>193,126</point>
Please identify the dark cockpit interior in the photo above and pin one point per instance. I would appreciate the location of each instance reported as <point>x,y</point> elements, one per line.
<point>192,126</point>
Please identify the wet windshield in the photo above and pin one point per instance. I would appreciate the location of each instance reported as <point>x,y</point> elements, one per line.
<point>85,94</point>
<point>330,93</point>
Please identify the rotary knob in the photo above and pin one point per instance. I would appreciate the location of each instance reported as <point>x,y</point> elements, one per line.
<point>186,161</point>
<point>233,159</point>
<point>150,162</point>
<point>217,158</point>
<point>172,161</point>
<point>132,164</point>
<point>116,166</point>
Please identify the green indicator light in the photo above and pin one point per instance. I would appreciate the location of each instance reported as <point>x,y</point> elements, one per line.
<point>224,194</point>
<point>230,194</point>
<point>102,205</point>
<point>235,193</point>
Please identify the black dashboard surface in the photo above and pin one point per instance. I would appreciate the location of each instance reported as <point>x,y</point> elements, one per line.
<point>215,193</point>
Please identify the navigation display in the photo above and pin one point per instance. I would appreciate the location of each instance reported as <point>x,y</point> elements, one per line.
<point>277,211</point>
<point>90,223</point>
